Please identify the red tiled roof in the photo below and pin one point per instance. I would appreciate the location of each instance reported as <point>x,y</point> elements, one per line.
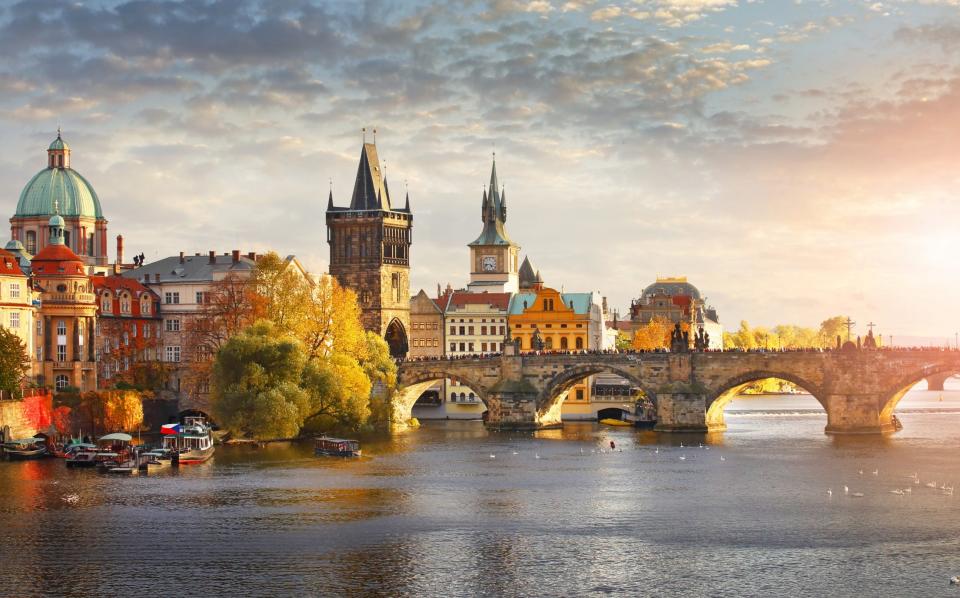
<point>52,258</point>
<point>9,265</point>
<point>497,300</point>
<point>115,283</point>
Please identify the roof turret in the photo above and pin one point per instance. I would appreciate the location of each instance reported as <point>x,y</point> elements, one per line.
<point>493,214</point>
<point>370,189</point>
<point>58,182</point>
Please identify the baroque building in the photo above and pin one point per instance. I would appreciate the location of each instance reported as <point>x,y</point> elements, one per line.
<point>677,301</point>
<point>17,308</point>
<point>128,333</point>
<point>68,312</point>
<point>84,226</point>
<point>370,252</point>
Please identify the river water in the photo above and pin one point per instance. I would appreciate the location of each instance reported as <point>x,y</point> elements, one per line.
<point>452,510</point>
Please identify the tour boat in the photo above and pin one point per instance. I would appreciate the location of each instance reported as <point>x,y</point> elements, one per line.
<point>81,455</point>
<point>189,442</point>
<point>336,447</point>
<point>26,448</point>
<point>114,451</point>
<point>615,422</point>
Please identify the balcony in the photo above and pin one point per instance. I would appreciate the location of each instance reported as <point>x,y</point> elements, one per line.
<point>72,298</point>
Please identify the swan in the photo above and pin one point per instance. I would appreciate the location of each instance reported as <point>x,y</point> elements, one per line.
<point>829,492</point>
<point>898,492</point>
<point>955,580</point>
<point>845,489</point>
<point>683,457</point>
<point>876,472</point>
<point>657,452</point>
<point>931,484</point>
<point>515,453</point>
<point>681,445</point>
<point>857,495</point>
<point>493,456</point>
<point>537,455</point>
<point>860,472</point>
<point>908,490</point>
<point>722,458</point>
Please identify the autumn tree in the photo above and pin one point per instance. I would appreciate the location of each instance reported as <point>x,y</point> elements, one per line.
<point>14,363</point>
<point>831,328</point>
<point>655,334</point>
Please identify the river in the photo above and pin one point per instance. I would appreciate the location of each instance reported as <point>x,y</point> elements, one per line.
<point>452,510</point>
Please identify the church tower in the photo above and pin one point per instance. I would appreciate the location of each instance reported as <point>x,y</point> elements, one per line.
<point>370,252</point>
<point>494,257</point>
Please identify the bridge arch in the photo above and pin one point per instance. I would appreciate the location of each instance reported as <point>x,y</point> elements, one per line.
<point>902,386</point>
<point>555,390</point>
<point>414,384</point>
<point>723,393</point>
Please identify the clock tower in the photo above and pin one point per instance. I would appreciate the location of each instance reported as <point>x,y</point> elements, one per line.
<point>494,257</point>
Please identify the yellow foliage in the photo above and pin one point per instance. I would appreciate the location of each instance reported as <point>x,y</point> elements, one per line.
<point>121,410</point>
<point>655,334</point>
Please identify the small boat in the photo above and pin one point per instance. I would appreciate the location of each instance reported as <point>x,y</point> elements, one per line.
<point>615,422</point>
<point>955,580</point>
<point>156,459</point>
<point>114,451</point>
<point>336,447</point>
<point>25,448</point>
<point>81,455</point>
<point>189,442</point>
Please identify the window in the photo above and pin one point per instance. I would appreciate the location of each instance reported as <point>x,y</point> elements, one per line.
<point>471,347</point>
<point>145,306</point>
<point>146,331</point>
<point>61,353</point>
<point>14,290</point>
<point>483,330</point>
<point>31,245</point>
<point>126,340</point>
<point>503,331</point>
<point>453,397</point>
<point>39,327</point>
<point>62,382</point>
<point>201,297</point>
<point>579,394</point>
<point>172,298</point>
<point>549,343</point>
<point>134,331</point>
<point>436,342</point>
<point>453,347</point>
<point>463,347</point>
<point>463,331</point>
<point>14,319</point>
<point>579,342</point>
<point>173,354</point>
<point>125,304</point>
<point>173,325</point>
<point>470,329</point>
<point>61,329</point>
<point>106,305</point>
<point>453,330</point>
<point>563,343</point>
<point>483,347</point>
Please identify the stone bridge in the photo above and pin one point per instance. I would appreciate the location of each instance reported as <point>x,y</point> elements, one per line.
<point>858,389</point>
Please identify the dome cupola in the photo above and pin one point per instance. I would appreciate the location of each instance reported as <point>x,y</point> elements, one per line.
<point>58,182</point>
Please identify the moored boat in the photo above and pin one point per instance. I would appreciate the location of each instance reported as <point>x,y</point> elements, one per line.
<point>190,442</point>
<point>615,422</point>
<point>113,451</point>
<point>25,448</point>
<point>336,447</point>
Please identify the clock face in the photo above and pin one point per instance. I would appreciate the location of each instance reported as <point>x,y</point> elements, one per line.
<point>489,263</point>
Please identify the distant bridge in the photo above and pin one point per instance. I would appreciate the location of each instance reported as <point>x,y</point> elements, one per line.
<point>858,389</point>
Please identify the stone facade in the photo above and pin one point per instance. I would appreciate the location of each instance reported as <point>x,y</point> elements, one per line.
<point>370,252</point>
<point>858,389</point>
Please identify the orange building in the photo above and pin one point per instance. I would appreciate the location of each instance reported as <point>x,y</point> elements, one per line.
<point>128,330</point>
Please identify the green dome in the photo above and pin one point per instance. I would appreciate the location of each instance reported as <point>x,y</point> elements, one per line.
<point>58,144</point>
<point>56,220</point>
<point>65,186</point>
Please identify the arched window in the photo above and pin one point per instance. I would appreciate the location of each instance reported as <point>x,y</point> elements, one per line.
<point>107,305</point>
<point>125,303</point>
<point>31,245</point>
<point>453,397</point>
<point>463,396</point>
<point>579,342</point>
<point>145,305</point>
<point>549,344</point>
<point>62,382</point>
<point>563,343</point>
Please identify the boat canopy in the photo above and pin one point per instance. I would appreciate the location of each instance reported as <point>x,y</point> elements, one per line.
<point>117,436</point>
<point>27,441</point>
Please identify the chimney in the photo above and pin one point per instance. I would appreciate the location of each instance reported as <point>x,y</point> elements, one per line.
<point>213,257</point>
<point>252,255</point>
<point>181,257</point>
<point>197,254</point>
<point>119,249</point>
<point>236,256</point>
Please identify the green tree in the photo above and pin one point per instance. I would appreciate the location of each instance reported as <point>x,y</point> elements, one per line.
<point>381,370</point>
<point>257,377</point>
<point>340,393</point>
<point>14,363</point>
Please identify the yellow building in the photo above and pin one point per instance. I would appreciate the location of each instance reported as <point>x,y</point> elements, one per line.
<point>561,322</point>
<point>16,300</point>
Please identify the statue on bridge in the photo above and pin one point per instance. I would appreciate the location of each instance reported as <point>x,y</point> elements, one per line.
<point>870,342</point>
<point>536,343</point>
<point>701,341</point>
<point>679,340</point>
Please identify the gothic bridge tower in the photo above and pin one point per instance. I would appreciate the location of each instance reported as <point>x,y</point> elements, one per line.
<point>370,252</point>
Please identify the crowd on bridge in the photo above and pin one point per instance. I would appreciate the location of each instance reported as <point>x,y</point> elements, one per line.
<point>563,352</point>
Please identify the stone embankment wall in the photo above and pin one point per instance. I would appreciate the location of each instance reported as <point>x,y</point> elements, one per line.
<point>24,418</point>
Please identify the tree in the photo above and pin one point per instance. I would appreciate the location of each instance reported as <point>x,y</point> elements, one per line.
<point>831,328</point>
<point>122,410</point>
<point>281,293</point>
<point>14,363</point>
<point>340,392</point>
<point>332,323</point>
<point>655,334</point>
<point>257,378</point>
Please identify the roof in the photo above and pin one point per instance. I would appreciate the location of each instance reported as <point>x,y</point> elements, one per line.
<point>9,264</point>
<point>16,248</point>
<point>672,287</point>
<point>58,144</point>
<point>57,260</point>
<point>118,283</point>
<point>580,302</point>
<point>64,186</point>
<point>370,189</point>
<point>461,299</point>
<point>494,214</point>
<point>528,276</point>
<point>195,268</point>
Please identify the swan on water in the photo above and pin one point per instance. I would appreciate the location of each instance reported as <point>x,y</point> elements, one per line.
<point>829,492</point>
<point>493,456</point>
<point>955,580</point>
<point>876,472</point>
<point>898,492</point>
<point>857,495</point>
<point>722,458</point>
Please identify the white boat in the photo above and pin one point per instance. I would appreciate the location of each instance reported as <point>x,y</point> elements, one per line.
<point>189,442</point>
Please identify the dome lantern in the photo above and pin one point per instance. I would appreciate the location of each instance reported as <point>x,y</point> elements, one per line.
<point>58,154</point>
<point>56,225</point>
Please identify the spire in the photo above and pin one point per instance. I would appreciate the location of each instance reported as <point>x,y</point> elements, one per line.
<point>330,200</point>
<point>406,208</point>
<point>503,203</point>
<point>494,213</point>
<point>370,191</point>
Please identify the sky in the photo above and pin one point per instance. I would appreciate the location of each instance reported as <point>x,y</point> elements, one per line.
<point>794,159</point>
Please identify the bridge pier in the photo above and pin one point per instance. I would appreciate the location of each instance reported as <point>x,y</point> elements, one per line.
<point>860,413</point>
<point>512,405</point>
<point>936,382</point>
<point>684,412</point>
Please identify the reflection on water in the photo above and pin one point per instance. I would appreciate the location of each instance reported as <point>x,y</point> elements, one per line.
<point>453,510</point>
